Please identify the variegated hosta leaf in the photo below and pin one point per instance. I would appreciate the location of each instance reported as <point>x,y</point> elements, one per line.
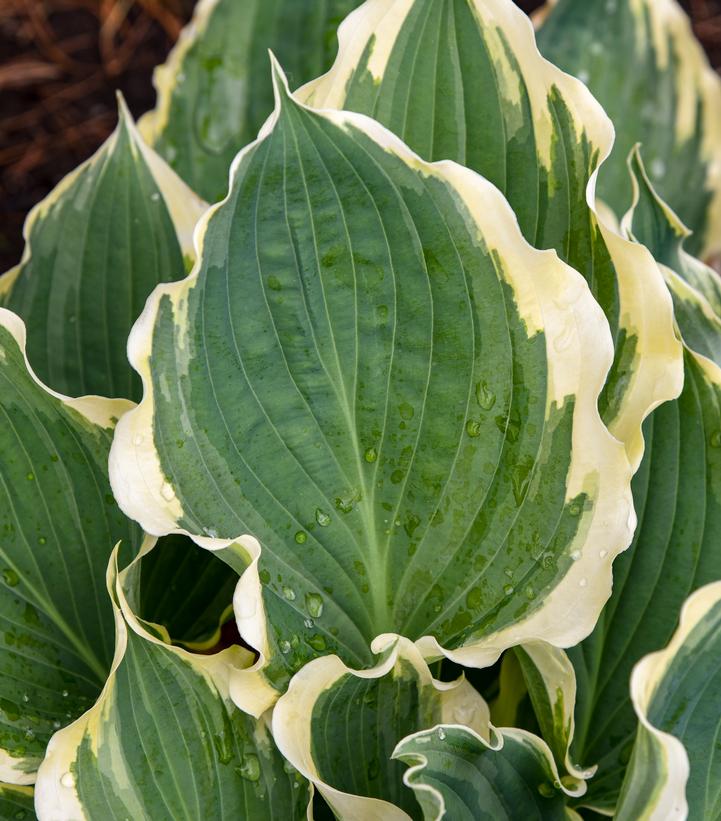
<point>677,494</point>
<point>164,739</point>
<point>339,727</point>
<point>675,769</point>
<point>187,590</point>
<point>215,91</point>
<point>463,80</point>
<point>642,61</point>
<point>551,684</point>
<point>460,776</point>
<point>58,523</point>
<point>17,803</point>
<point>95,248</point>
<point>371,373</point>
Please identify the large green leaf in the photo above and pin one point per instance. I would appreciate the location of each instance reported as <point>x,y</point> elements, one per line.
<point>459,775</point>
<point>215,92</point>
<point>642,61</point>
<point>339,727</point>
<point>675,769</point>
<point>463,80</point>
<point>371,373</point>
<point>164,741</point>
<point>677,494</point>
<point>58,523</point>
<point>95,248</point>
<point>17,803</point>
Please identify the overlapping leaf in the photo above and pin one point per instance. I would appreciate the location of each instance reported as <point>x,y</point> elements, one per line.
<point>463,80</point>
<point>330,712</point>
<point>165,741</point>
<point>643,62</point>
<point>675,769</point>
<point>215,91</point>
<point>95,248</point>
<point>371,373</point>
<point>459,775</point>
<point>677,494</point>
<point>58,523</point>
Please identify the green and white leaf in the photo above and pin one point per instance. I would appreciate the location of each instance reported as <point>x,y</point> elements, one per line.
<point>187,590</point>
<point>365,388</point>
<point>58,523</point>
<point>215,91</point>
<point>675,769</point>
<point>331,712</point>
<point>95,249</point>
<point>459,775</point>
<point>677,494</point>
<point>551,683</point>
<point>17,803</point>
<point>642,61</point>
<point>165,740</point>
<point>463,80</point>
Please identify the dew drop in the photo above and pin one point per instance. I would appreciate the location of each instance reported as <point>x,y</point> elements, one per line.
<point>249,768</point>
<point>42,540</point>
<point>29,735</point>
<point>10,577</point>
<point>441,734</point>
<point>301,537</point>
<point>583,582</point>
<point>56,724</point>
<point>583,76</point>
<point>289,593</point>
<point>508,589</point>
<point>155,196</point>
<point>547,561</point>
<point>370,455</point>
<point>68,781</point>
<point>30,477</point>
<point>473,428</point>
<point>602,554</point>
<point>284,647</point>
<point>484,396</point>
<point>26,697</point>
<point>317,643</point>
<point>474,599</point>
<point>406,411</point>
<point>274,283</point>
<point>65,693</point>
<point>138,440</point>
<point>576,555</point>
<point>322,517</point>
<point>530,593</point>
<point>314,605</point>
<point>309,623</point>
<point>167,492</point>
<point>575,509</point>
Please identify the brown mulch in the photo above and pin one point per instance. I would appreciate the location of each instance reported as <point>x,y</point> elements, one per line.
<point>60,63</point>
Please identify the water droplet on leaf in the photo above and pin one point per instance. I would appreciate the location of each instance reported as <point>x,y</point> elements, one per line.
<point>322,518</point>
<point>314,605</point>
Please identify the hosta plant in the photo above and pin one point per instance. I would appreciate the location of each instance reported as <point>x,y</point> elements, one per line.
<point>390,484</point>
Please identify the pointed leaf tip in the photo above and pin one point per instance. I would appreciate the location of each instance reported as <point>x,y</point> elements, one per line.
<point>281,90</point>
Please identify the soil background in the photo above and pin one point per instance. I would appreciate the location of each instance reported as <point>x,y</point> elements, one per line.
<point>61,61</point>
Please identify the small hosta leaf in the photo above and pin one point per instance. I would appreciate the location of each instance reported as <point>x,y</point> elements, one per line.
<point>677,494</point>
<point>385,397</point>
<point>675,768</point>
<point>463,80</point>
<point>642,61</point>
<point>215,93</point>
<point>58,524</point>
<point>459,775</point>
<point>330,713</point>
<point>95,248</point>
<point>165,740</point>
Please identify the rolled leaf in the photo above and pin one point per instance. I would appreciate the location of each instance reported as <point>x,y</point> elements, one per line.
<point>675,768</point>
<point>187,590</point>
<point>464,81</point>
<point>677,494</point>
<point>95,248</point>
<point>330,712</point>
<point>58,521</point>
<point>215,92</point>
<point>642,61</point>
<point>165,740</point>
<point>457,774</point>
<point>392,392</point>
